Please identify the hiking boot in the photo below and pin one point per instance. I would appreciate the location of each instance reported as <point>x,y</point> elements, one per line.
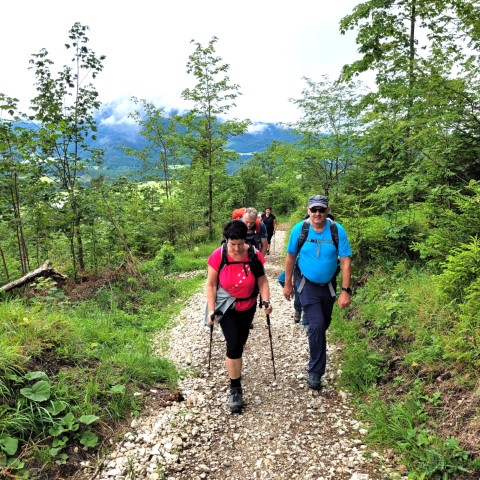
<point>314,381</point>
<point>296,316</point>
<point>235,402</point>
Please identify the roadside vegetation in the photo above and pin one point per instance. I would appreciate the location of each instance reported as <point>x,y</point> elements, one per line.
<point>400,164</point>
<point>75,366</point>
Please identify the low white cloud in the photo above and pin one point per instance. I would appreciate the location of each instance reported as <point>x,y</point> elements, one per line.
<point>117,112</point>
<point>257,127</point>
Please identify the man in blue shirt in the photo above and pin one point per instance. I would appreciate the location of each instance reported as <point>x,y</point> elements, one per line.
<point>316,280</point>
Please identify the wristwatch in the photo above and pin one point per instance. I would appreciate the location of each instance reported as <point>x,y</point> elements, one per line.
<point>347,289</point>
<point>265,303</point>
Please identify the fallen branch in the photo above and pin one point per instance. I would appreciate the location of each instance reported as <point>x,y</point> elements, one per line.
<point>46,270</point>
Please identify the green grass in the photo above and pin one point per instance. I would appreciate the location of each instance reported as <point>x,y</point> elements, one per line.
<point>397,338</point>
<point>92,356</point>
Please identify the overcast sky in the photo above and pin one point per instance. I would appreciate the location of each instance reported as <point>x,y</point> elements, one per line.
<point>269,44</point>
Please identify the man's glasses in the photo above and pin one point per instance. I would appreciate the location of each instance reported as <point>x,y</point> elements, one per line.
<point>318,210</point>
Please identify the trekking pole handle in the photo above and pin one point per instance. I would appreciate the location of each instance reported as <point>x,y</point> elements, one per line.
<point>212,318</point>
<point>265,304</point>
<point>214,314</point>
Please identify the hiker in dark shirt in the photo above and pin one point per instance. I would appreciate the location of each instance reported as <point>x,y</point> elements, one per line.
<point>270,222</point>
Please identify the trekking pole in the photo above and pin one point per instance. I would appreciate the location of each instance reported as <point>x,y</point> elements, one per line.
<point>212,317</point>
<point>271,342</point>
<point>273,242</point>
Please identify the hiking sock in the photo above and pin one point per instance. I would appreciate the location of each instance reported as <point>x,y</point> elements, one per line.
<point>235,382</point>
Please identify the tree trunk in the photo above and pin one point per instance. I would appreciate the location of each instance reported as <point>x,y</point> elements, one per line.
<point>22,247</point>
<point>4,262</point>
<point>46,270</point>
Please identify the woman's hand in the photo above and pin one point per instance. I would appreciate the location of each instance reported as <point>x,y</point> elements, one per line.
<point>211,317</point>
<point>267,307</point>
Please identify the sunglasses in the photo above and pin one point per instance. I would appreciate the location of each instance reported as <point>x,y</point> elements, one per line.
<point>318,210</point>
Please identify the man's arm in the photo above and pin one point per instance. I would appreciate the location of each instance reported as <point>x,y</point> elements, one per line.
<point>344,297</point>
<point>289,265</point>
<point>263,239</point>
<point>264,246</point>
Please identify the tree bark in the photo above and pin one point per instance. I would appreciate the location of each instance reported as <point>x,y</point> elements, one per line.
<point>46,270</point>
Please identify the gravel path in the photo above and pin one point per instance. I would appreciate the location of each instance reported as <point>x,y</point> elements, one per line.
<point>286,430</point>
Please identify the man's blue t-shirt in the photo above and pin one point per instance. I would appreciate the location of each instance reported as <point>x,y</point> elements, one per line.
<point>318,257</point>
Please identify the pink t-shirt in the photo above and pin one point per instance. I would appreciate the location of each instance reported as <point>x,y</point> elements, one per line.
<point>237,279</point>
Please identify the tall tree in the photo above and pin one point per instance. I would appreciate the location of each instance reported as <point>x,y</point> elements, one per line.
<point>162,135</point>
<point>329,125</point>
<point>423,53</point>
<point>15,143</point>
<point>206,132</point>
<point>64,108</point>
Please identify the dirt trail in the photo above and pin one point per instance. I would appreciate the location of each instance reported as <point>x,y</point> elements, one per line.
<point>286,430</point>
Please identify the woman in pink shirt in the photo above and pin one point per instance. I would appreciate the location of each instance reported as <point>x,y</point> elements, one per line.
<point>237,281</point>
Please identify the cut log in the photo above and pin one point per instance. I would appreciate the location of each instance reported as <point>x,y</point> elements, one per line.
<point>46,270</point>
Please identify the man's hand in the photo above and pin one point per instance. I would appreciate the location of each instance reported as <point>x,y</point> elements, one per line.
<point>288,290</point>
<point>344,300</point>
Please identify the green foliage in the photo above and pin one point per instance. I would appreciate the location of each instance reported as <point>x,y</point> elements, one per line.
<point>376,240</point>
<point>63,110</point>
<point>328,126</point>
<point>460,271</point>
<point>403,424</point>
<point>34,407</point>
<point>400,165</point>
<point>104,347</point>
<point>401,325</point>
<point>362,367</point>
<point>460,283</point>
<point>167,257</point>
<point>275,177</point>
<point>445,211</point>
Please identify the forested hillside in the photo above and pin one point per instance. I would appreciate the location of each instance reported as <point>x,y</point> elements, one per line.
<point>400,164</point>
<point>114,137</point>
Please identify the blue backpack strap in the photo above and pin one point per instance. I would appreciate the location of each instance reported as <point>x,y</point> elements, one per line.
<point>304,233</point>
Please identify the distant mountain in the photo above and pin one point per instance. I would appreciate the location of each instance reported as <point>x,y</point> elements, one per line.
<point>111,136</point>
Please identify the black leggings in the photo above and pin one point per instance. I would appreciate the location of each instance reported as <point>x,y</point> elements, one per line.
<point>236,327</point>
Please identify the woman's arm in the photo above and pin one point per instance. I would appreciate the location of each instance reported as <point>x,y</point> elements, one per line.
<point>265,292</point>
<point>211,291</point>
